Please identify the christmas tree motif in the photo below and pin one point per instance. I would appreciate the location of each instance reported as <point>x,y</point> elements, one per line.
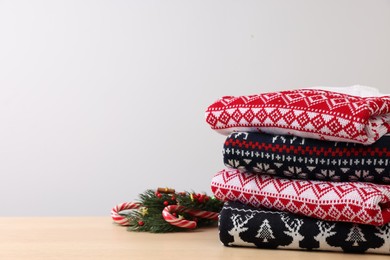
<point>238,227</point>
<point>293,227</point>
<point>265,232</point>
<point>355,235</point>
<point>325,232</point>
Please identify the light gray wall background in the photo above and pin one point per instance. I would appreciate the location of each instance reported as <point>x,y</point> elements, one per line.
<point>101,100</point>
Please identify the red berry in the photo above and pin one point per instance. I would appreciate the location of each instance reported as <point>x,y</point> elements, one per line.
<point>159,195</point>
<point>173,198</point>
<point>141,223</point>
<point>166,203</point>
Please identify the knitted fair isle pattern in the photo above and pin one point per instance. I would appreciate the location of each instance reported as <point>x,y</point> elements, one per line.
<point>357,202</point>
<point>305,158</point>
<point>308,113</point>
<point>241,225</point>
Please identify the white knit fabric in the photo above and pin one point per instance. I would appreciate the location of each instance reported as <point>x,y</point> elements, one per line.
<point>355,90</point>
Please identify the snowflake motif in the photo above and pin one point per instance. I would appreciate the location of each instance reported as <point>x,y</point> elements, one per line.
<point>231,163</point>
<point>263,168</point>
<point>328,174</point>
<point>363,175</point>
<point>295,172</point>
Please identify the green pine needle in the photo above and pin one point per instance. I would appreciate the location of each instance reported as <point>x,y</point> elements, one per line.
<point>149,217</point>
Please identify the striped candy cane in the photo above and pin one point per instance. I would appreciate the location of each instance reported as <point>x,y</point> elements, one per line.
<point>183,223</point>
<point>124,206</point>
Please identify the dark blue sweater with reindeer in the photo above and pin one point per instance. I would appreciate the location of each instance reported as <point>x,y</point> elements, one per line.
<point>242,225</point>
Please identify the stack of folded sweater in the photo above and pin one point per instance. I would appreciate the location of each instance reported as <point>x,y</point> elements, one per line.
<point>307,169</point>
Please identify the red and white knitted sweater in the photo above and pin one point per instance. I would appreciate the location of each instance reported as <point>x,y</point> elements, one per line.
<point>307,113</point>
<point>356,202</point>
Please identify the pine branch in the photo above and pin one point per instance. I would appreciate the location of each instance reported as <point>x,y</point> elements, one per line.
<point>149,217</point>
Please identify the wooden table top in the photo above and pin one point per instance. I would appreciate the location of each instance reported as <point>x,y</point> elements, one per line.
<point>99,238</point>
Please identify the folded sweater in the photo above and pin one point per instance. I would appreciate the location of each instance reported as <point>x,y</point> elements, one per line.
<point>308,113</point>
<point>357,202</point>
<point>242,225</point>
<point>305,158</point>
<point>355,90</point>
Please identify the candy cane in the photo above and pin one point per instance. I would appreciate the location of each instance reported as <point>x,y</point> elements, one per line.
<point>183,223</point>
<point>122,220</point>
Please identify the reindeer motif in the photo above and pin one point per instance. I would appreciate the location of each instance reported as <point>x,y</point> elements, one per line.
<point>293,227</point>
<point>384,233</point>
<point>238,227</point>
<point>325,232</point>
